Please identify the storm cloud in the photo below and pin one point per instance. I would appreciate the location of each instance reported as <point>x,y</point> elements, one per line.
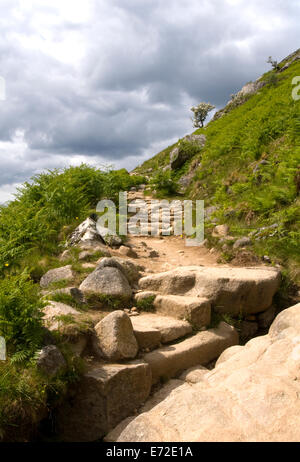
<point>112,81</point>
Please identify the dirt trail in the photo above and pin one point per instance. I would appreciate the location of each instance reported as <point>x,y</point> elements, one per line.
<point>172,253</point>
<point>172,250</point>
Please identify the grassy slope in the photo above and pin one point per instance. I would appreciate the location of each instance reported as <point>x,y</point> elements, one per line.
<point>265,127</point>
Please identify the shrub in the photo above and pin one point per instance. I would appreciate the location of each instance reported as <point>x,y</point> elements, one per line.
<point>164,183</point>
<point>20,316</point>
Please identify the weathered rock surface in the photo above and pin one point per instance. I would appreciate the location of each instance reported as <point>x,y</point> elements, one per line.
<point>131,270</point>
<point>194,374</point>
<point>229,289</point>
<point>57,274</point>
<point>169,328</point>
<point>89,231</point>
<point>178,156</point>
<point>251,395</point>
<point>53,311</point>
<point>106,281</point>
<point>266,318</point>
<point>242,242</point>
<point>86,231</point>
<point>108,237</point>
<point>50,360</point>
<point>115,337</point>
<point>200,349</point>
<point>147,337</point>
<point>106,394</point>
<point>194,309</point>
<point>221,230</point>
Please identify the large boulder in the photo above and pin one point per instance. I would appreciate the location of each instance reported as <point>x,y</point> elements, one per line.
<point>115,338</point>
<point>131,270</point>
<point>106,394</point>
<point>106,280</point>
<point>252,395</point>
<point>231,290</point>
<point>64,273</point>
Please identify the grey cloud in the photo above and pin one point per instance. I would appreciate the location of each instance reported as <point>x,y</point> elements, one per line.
<point>144,64</point>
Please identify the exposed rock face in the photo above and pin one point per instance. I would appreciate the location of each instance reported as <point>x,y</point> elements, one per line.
<point>106,394</point>
<point>178,157</point>
<point>115,337</point>
<point>56,275</point>
<point>50,360</point>
<point>251,395</point>
<point>229,289</point>
<point>200,349</point>
<point>106,281</point>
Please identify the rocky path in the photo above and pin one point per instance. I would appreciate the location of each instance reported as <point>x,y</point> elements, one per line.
<point>163,325</point>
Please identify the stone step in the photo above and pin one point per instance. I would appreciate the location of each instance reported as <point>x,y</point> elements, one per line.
<point>105,395</point>
<point>151,329</point>
<point>193,309</point>
<point>201,349</point>
<point>231,290</point>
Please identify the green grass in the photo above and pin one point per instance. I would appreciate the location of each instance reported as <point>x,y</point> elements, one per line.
<point>266,127</point>
<point>146,304</point>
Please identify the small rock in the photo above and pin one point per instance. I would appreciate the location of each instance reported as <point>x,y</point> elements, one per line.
<point>242,242</point>
<point>88,265</point>
<point>221,230</point>
<point>134,309</point>
<point>127,251</point>
<point>266,259</point>
<point>153,254</point>
<point>50,360</point>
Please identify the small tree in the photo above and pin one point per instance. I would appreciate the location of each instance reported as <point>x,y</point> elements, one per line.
<point>273,63</point>
<point>200,113</point>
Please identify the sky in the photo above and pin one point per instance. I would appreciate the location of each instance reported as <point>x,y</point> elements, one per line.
<point>111,82</point>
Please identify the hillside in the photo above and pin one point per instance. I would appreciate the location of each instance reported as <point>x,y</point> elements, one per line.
<point>248,168</point>
<point>97,326</point>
